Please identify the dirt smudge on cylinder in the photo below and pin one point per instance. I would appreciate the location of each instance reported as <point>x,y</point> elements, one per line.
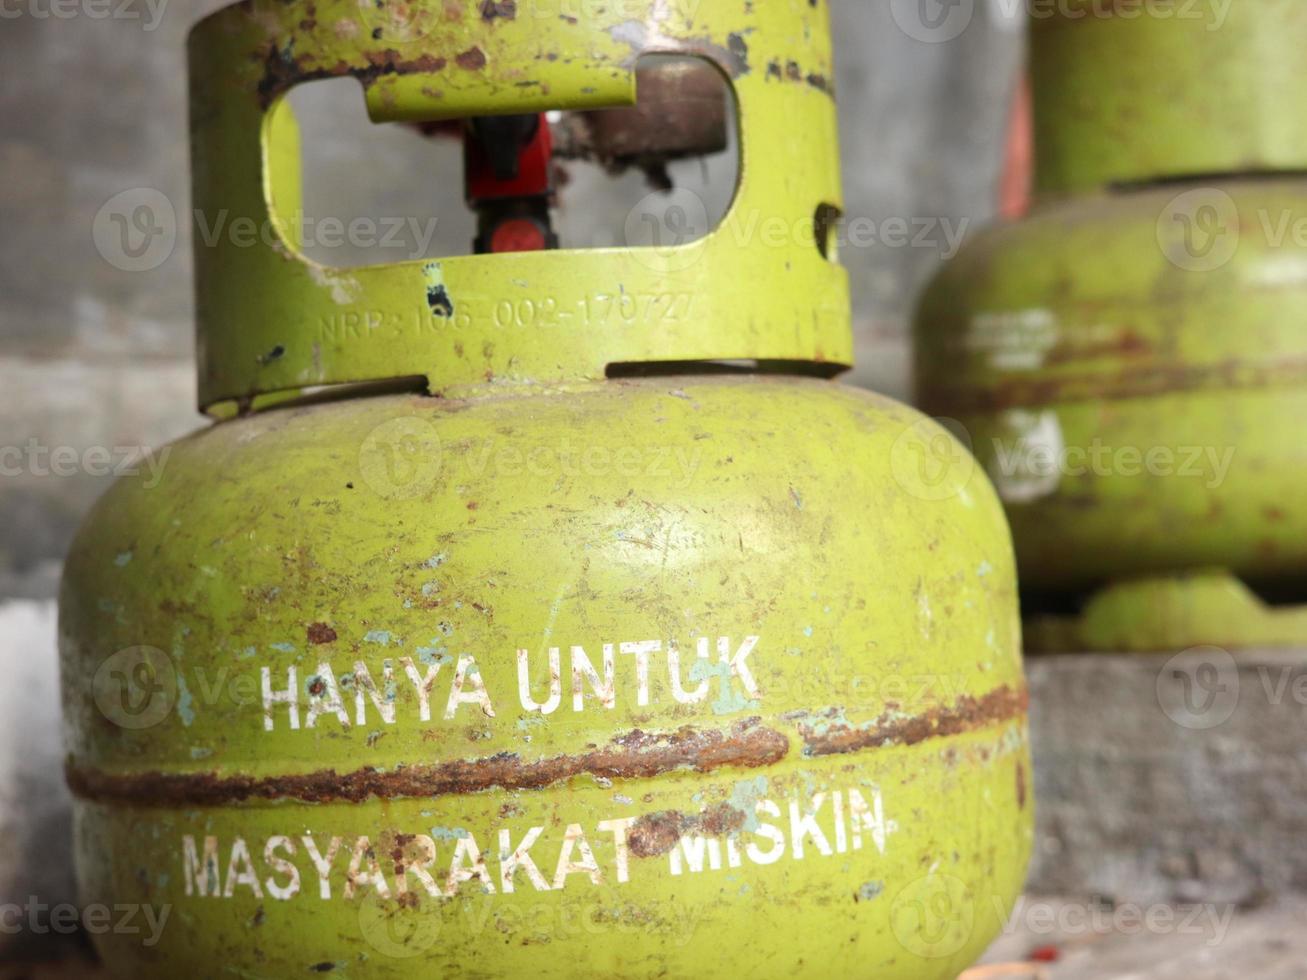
<point>657,833</point>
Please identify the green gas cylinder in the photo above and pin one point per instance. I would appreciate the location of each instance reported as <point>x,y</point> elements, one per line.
<point>1128,359</point>
<point>550,613</point>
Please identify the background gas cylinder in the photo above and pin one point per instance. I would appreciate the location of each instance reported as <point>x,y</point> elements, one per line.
<point>548,613</point>
<point>1126,357</point>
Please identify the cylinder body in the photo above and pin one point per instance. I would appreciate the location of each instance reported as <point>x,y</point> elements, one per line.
<point>1125,358</point>
<point>661,677</point>
<point>1127,389</point>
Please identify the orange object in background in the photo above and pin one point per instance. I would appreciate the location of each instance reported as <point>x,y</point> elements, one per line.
<point>1018,169</point>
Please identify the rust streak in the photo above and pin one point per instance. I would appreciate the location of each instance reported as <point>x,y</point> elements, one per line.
<point>1129,382</point>
<point>637,755</point>
<point>967,715</point>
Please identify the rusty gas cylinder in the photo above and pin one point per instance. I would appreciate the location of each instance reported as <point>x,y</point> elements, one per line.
<point>623,642</point>
<point>1125,358</point>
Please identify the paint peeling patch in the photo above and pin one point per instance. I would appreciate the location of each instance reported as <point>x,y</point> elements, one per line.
<point>473,59</point>
<point>434,655</point>
<point>320,633</point>
<point>631,32</point>
<point>745,796</point>
<point>379,637</point>
<point>792,72</point>
<point>636,755</point>
<point>450,833</point>
<point>503,9</point>
<point>729,700</point>
<point>438,299</point>
<point>824,736</point>
<point>344,289</point>
<point>820,82</point>
<point>123,560</point>
<point>738,47</point>
<point>276,354</point>
<point>185,702</point>
<point>868,891</point>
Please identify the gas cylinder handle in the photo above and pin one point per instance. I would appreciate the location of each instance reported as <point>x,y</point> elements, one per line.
<point>272,320</point>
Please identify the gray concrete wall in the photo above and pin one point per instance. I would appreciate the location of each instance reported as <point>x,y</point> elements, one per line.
<point>1170,778</point>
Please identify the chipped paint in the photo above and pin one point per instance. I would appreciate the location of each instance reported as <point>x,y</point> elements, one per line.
<point>185,701</point>
<point>344,288</point>
<point>868,891</point>
<point>437,295</point>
